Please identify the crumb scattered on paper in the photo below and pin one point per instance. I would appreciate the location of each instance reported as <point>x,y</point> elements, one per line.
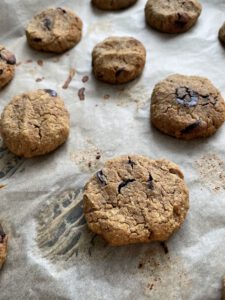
<point>81,94</point>
<point>40,62</point>
<point>85,79</point>
<point>39,79</point>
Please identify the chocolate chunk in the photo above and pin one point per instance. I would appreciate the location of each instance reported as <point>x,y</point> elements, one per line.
<point>186,96</point>
<point>101,177</point>
<point>37,40</point>
<point>124,183</point>
<point>191,127</point>
<point>1,71</point>
<point>47,23</point>
<point>131,162</point>
<point>182,20</point>
<point>2,234</point>
<point>51,92</point>
<point>119,72</point>
<point>8,57</point>
<point>61,9</point>
<point>150,182</point>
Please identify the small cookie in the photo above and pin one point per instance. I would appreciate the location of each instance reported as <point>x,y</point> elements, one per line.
<point>118,60</point>
<point>187,107</point>
<point>113,4</point>
<point>134,199</point>
<point>3,246</point>
<point>54,30</point>
<point>172,16</point>
<point>222,34</point>
<point>7,66</point>
<point>35,123</point>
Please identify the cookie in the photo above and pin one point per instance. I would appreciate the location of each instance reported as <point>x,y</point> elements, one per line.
<point>187,107</point>
<point>118,60</point>
<point>35,123</point>
<point>54,30</point>
<point>172,16</point>
<point>7,66</point>
<point>135,199</point>
<point>113,4</point>
<point>3,246</point>
<point>222,34</point>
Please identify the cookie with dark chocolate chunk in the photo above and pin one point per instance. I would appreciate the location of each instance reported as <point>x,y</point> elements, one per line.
<point>7,66</point>
<point>135,199</point>
<point>187,107</point>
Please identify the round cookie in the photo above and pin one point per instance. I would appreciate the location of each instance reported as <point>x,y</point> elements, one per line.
<point>187,107</point>
<point>172,16</point>
<point>222,34</point>
<point>54,30</point>
<point>134,199</point>
<point>35,123</point>
<point>7,66</point>
<point>113,4</point>
<point>118,60</point>
<point>3,246</point>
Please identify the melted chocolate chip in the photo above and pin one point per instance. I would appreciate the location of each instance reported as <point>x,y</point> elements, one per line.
<point>191,127</point>
<point>51,92</point>
<point>2,234</point>
<point>8,57</point>
<point>131,162</point>
<point>47,23</point>
<point>101,177</point>
<point>119,72</point>
<point>181,21</point>
<point>61,9</point>
<point>186,96</point>
<point>124,183</point>
<point>150,182</point>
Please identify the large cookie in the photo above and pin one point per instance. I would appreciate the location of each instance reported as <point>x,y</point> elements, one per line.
<point>187,107</point>
<point>134,199</point>
<point>113,4</point>
<point>118,60</point>
<point>54,30</point>
<point>7,66</point>
<point>3,246</point>
<point>172,16</point>
<point>35,123</point>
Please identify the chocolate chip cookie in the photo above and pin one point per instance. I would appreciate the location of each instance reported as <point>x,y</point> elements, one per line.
<point>35,123</point>
<point>172,16</point>
<point>113,4</point>
<point>135,199</point>
<point>187,107</point>
<point>54,30</point>
<point>118,60</point>
<point>222,34</point>
<point>3,246</point>
<point>7,66</point>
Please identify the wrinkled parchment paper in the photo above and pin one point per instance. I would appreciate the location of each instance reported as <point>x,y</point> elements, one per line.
<point>52,255</point>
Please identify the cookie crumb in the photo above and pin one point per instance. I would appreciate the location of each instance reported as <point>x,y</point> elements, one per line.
<point>28,61</point>
<point>89,164</point>
<point>85,79</point>
<point>140,266</point>
<point>81,94</point>
<point>69,79</point>
<point>98,156</point>
<point>40,62</point>
<point>39,79</point>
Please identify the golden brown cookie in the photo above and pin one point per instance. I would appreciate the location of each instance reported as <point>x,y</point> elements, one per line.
<point>172,16</point>
<point>222,34</point>
<point>3,246</point>
<point>135,199</point>
<point>118,60</point>
<point>35,123</point>
<point>187,107</point>
<point>7,66</point>
<point>113,4</point>
<point>54,30</point>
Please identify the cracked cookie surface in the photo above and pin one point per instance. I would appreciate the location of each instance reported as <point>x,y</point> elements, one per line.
<point>118,60</point>
<point>187,107</point>
<point>3,246</point>
<point>54,30</point>
<point>113,4</point>
<point>172,16</point>
<point>222,34</point>
<point>7,66</point>
<point>35,123</point>
<point>135,199</point>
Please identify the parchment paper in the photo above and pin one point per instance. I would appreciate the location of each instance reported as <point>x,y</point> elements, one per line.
<point>52,255</point>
